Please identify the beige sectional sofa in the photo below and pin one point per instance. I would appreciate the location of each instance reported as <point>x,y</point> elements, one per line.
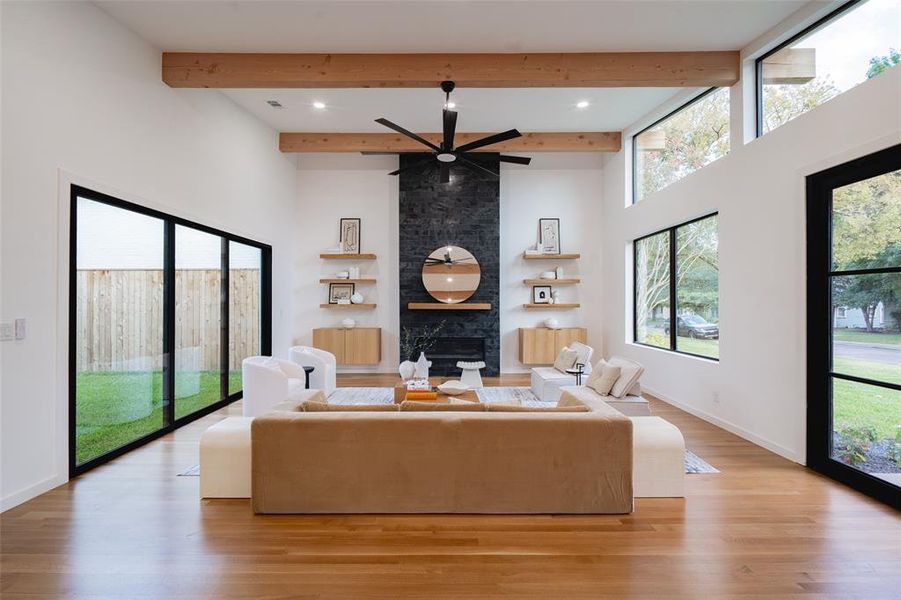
<point>576,460</point>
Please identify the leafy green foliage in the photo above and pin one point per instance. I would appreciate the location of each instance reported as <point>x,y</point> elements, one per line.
<point>411,345</point>
<point>857,443</point>
<point>880,64</point>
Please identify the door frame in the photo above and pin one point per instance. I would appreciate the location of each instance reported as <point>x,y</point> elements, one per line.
<point>819,320</point>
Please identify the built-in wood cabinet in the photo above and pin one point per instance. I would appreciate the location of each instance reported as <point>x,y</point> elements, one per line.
<point>357,346</point>
<point>540,345</point>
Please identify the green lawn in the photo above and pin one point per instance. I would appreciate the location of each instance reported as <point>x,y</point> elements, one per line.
<point>709,348</point>
<point>847,335</point>
<point>856,404</point>
<point>116,408</point>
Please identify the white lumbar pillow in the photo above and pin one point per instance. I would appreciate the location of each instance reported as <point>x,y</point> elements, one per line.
<point>631,372</point>
<point>566,359</point>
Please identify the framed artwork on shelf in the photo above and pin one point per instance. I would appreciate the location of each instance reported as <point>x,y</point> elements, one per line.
<point>350,236</point>
<point>549,235</point>
<point>338,292</point>
<point>541,294</point>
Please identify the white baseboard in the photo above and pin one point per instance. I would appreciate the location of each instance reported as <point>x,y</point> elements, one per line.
<point>729,426</point>
<point>16,498</point>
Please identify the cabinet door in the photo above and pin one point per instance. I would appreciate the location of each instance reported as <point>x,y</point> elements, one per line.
<point>568,335</point>
<point>362,346</point>
<point>332,340</point>
<point>536,346</point>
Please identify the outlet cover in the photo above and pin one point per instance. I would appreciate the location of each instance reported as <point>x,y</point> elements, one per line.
<point>21,329</point>
<point>7,331</point>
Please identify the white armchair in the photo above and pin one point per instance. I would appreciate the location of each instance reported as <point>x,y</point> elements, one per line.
<point>324,366</point>
<point>548,381</point>
<point>268,381</point>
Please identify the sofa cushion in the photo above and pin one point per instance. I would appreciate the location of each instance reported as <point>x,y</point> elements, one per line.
<point>412,405</point>
<point>603,378</point>
<point>631,372</point>
<point>566,359</point>
<point>313,406</point>
<point>537,409</point>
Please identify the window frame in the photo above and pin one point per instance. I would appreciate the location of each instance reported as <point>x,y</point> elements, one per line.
<point>672,113</point>
<point>820,271</point>
<point>673,308</point>
<point>758,62</point>
<point>170,423</point>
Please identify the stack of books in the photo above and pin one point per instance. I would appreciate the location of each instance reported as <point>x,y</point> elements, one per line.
<point>420,389</point>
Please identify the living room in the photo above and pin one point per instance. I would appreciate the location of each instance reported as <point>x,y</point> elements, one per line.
<point>569,298</point>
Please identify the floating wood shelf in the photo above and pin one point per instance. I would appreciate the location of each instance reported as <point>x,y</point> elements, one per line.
<point>568,255</point>
<point>551,306</point>
<point>360,281</point>
<point>363,256</point>
<point>442,306</point>
<point>348,306</point>
<point>551,281</point>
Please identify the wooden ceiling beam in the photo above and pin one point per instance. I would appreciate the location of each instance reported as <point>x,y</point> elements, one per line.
<point>594,141</point>
<point>589,69</point>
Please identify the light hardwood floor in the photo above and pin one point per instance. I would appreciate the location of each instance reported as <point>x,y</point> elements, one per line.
<point>762,528</point>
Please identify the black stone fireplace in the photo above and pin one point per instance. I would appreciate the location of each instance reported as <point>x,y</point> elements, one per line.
<point>465,213</point>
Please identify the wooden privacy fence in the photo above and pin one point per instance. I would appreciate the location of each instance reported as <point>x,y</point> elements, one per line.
<point>119,319</point>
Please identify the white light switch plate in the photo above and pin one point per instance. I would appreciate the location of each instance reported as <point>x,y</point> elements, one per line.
<point>7,331</point>
<point>21,330</point>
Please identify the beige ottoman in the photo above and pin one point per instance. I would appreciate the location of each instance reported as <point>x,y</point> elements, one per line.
<point>225,459</point>
<point>658,459</point>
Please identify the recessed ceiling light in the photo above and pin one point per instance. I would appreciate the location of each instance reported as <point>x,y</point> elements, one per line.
<point>451,105</point>
<point>582,104</point>
<point>319,105</point>
<point>274,103</point>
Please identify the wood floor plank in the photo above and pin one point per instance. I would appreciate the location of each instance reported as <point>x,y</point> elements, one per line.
<point>762,528</point>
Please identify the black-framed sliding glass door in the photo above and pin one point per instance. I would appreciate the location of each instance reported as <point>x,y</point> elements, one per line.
<point>162,311</point>
<point>854,324</point>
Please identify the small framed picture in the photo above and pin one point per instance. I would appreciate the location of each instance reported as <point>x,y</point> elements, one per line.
<point>549,235</point>
<point>541,294</point>
<point>350,236</point>
<point>340,291</point>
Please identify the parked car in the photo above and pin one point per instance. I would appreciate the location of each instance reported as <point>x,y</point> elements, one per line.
<point>695,326</point>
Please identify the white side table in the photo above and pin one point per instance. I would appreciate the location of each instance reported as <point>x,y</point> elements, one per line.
<point>471,375</point>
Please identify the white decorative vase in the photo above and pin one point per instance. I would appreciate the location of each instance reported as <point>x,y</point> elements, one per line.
<point>406,370</point>
<point>422,367</point>
<point>348,323</point>
<point>549,275</point>
<point>552,323</point>
<point>342,275</point>
<point>357,298</point>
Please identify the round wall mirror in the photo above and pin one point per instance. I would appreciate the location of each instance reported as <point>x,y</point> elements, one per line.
<point>451,274</point>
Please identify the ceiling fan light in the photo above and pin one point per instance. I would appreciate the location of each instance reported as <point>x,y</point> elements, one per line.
<point>447,157</point>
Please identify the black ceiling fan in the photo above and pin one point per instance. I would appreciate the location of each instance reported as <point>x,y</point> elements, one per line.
<point>445,154</point>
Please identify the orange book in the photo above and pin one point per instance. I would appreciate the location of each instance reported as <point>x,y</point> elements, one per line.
<point>422,396</point>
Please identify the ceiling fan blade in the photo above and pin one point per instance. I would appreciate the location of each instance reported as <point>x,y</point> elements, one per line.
<point>409,134</point>
<point>475,166</point>
<point>415,165</point>
<point>445,174</point>
<point>491,139</point>
<point>519,160</point>
<point>450,127</point>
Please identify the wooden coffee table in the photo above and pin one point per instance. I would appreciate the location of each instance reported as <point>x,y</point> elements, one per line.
<point>400,394</point>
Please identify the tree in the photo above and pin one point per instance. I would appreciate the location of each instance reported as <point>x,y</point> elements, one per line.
<point>784,102</point>
<point>878,64</point>
<point>867,292</point>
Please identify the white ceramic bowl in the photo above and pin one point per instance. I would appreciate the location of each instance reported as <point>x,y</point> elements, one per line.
<point>453,388</point>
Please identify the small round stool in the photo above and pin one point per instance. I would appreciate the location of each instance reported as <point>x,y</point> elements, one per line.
<point>471,375</point>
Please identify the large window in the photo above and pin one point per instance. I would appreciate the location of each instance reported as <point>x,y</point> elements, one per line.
<point>157,333</point>
<point>854,323</point>
<point>676,280</point>
<point>692,136</point>
<point>857,42</point>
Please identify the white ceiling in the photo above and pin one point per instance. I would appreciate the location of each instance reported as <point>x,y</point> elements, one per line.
<point>449,26</point>
<point>537,109</point>
<point>378,26</point>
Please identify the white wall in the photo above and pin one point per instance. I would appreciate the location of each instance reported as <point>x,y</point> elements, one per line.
<point>562,185</point>
<point>329,187</point>
<point>344,185</point>
<point>757,390</point>
<point>82,99</point>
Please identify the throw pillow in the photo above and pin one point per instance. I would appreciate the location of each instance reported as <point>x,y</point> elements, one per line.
<point>566,359</point>
<point>631,372</point>
<point>603,378</point>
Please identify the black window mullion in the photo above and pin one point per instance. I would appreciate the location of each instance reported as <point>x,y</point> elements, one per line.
<point>169,323</point>
<point>266,302</point>
<point>866,381</point>
<point>224,294</point>
<point>672,289</point>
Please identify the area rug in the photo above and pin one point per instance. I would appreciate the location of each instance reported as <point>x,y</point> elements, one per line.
<point>362,395</point>
<point>509,395</point>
